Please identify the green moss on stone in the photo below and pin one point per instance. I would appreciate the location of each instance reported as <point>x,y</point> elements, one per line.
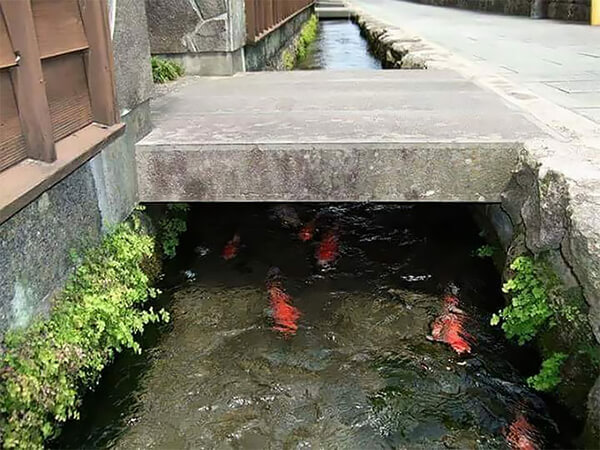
<point>46,367</point>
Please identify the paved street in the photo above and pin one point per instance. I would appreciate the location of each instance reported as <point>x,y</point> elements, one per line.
<point>557,60</point>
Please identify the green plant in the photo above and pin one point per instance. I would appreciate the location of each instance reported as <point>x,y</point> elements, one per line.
<point>549,376</point>
<point>171,226</point>
<point>485,251</point>
<point>46,366</point>
<point>529,309</point>
<point>288,60</point>
<point>164,70</point>
<point>308,34</point>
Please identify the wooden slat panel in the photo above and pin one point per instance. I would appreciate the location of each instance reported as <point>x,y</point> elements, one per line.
<point>12,143</point>
<point>68,96</point>
<point>7,54</point>
<point>27,81</point>
<point>58,26</point>
<point>99,61</point>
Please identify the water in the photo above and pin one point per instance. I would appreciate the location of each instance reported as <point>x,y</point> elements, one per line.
<point>339,45</point>
<point>359,372</point>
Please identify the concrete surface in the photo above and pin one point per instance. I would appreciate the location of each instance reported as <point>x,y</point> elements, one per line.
<point>324,13</point>
<point>330,135</point>
<point>556,60</point>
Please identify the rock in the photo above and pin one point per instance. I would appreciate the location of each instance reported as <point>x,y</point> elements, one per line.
<point>211,8</point>
<point>411,61</point>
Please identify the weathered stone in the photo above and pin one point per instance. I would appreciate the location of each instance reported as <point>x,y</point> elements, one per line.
<point>593,420</point>
<point>131,49</point>
<point>411,61</point>
<point>211,8</point>
<point>209,36</point>
<point>168,22</point>
<point>502,224</point>
<point>544,213</point>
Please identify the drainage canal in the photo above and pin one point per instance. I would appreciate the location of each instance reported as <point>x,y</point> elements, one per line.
<point>325,326</point>
<point>339,45</point>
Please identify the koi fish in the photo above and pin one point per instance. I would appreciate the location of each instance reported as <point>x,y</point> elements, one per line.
<point>449,327</point>
<point>328,249</point>
<point>522,435</point>
<point>230,250</point>
<point>307,232</point>
<point>285,315</point>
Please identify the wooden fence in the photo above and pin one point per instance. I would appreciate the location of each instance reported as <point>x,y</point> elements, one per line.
<point>56,74</point>
<point>263,16</point>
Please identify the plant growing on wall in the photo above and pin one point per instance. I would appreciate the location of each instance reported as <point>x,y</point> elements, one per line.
<point>46,366</point>
<point>549,376</point>
<point>529,309</point>
<point>172,226</point>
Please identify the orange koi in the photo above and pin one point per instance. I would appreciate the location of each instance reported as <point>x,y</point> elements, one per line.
<point>449,327</point>
<point>230,250</point>
<point>522,435</point>
<point>285,315</point>
<point>307,232</point>
<point>328,249</point>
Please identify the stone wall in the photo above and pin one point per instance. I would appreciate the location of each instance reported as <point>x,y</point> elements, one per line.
<point>205,36</point>
<point>578,10</point>
<point>267,53</point>
<point>36,242</point>
<point>551,210</point>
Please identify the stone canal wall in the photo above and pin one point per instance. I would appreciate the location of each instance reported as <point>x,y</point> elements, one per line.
<point>268,52</point>
<point>36,242</point>
<point>550,209</point>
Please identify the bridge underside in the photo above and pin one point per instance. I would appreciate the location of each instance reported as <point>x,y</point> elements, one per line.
<point>331,136</point>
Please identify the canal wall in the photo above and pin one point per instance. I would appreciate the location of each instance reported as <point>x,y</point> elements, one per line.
<point>549,209</point>
<point>205,36</point>
<point>36,242</point>
<point>268,52</point>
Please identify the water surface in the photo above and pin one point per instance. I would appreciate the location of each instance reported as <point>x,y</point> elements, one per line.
<point>358,373</point>
<point>338,46</point>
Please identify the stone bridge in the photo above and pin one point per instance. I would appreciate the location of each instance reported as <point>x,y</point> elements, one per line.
<point>331,136</point>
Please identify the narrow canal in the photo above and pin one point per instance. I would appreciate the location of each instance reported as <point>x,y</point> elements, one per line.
<point>354,326</point>
<point>339,45</point>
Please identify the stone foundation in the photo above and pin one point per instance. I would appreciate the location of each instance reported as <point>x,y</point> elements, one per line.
<point>394,47</point>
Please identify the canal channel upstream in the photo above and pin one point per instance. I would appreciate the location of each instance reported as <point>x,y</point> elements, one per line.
<point>314,326</point>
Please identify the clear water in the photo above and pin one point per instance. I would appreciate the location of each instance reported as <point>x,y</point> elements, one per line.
<point>339,45</point>
<point>358,373</point>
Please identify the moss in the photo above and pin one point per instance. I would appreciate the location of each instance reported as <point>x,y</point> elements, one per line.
<point>47,366</point>
<point>307,35</point>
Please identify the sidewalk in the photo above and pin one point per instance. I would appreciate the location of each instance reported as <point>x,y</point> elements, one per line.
<point>559,61</point>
